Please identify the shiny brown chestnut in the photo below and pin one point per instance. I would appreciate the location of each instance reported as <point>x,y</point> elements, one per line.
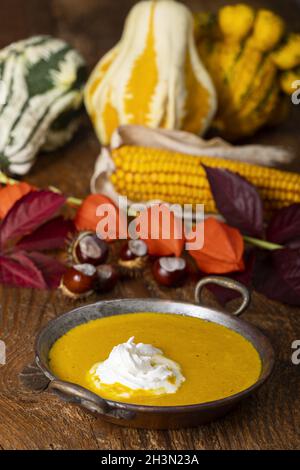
<point>133,249</point>
<point>170,272</point>
<point>107,277</point>
<point>88,248</point>
<point>133,257</point>
<point>79,281</point>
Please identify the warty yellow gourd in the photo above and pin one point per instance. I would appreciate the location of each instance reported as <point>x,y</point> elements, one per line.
<point>245,51</point>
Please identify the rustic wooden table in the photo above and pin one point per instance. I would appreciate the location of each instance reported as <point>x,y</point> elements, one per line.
<point>269,420</point>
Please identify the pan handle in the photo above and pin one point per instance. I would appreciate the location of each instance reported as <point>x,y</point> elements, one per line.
<point>229,284</point>
<point>79,395</point>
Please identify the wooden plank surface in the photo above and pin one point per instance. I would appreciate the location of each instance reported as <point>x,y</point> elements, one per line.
<point>28,420</point>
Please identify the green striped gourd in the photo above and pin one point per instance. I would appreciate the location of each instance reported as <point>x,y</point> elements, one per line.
<point>42,80</point>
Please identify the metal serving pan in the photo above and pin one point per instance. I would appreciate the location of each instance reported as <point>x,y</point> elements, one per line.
<point>154,417</point>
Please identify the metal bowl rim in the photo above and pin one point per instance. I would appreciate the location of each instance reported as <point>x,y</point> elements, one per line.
<point>176,408</point>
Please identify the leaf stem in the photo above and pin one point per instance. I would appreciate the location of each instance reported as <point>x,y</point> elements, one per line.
<point>6,180</point>
<point>72,201</point>
<point>262,243</point>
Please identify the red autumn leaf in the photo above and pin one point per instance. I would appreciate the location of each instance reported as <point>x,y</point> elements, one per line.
<point>284,226</point>
<point>223,248</point>
<point>51,268</point>
<point>237,200</point>
<point>28,213</point>
<point>10,194</point>
<point>33,270</point>
<point>49,236</point>
<point>87,218</point>
<point>21,272</point>
<point>161,231</point>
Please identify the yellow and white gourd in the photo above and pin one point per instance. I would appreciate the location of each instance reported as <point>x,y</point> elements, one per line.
<point>42,80</point>
<point>154,76</point>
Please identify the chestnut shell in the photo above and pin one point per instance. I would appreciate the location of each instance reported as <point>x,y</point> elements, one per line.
<point>88,248</point>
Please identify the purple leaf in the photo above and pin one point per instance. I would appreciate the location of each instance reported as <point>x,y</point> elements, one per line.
<point>294,244</point>
<point>285,225</point>
<point>28,213</point>
<point>51,235</point>
<point>237,200</point>
<point>224,295</point>
<point>278,276</point>
<point>20,272</point>
<point>51,268</point>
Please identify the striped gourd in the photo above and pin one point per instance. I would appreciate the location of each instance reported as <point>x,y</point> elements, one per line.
<point>245,52</point>
<point>144,174</point>
<point>43,80</point>
<point>153,76</point>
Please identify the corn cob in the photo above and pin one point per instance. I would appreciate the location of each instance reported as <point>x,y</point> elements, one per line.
<point>144,174</point>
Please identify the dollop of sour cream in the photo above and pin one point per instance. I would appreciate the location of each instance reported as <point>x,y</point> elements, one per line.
<point>138,367</point>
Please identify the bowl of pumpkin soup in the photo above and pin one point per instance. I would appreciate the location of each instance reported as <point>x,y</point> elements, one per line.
<point>153,363</point>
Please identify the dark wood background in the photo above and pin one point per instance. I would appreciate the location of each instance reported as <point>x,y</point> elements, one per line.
<point>28,420</point>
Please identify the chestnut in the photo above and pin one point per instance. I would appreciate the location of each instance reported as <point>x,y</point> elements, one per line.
<point>88,248</point>
<point>107,277</point>
<point>79,281</point>
<point>133,257</point>
<point>170,272</point>
<point>133,249</point>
